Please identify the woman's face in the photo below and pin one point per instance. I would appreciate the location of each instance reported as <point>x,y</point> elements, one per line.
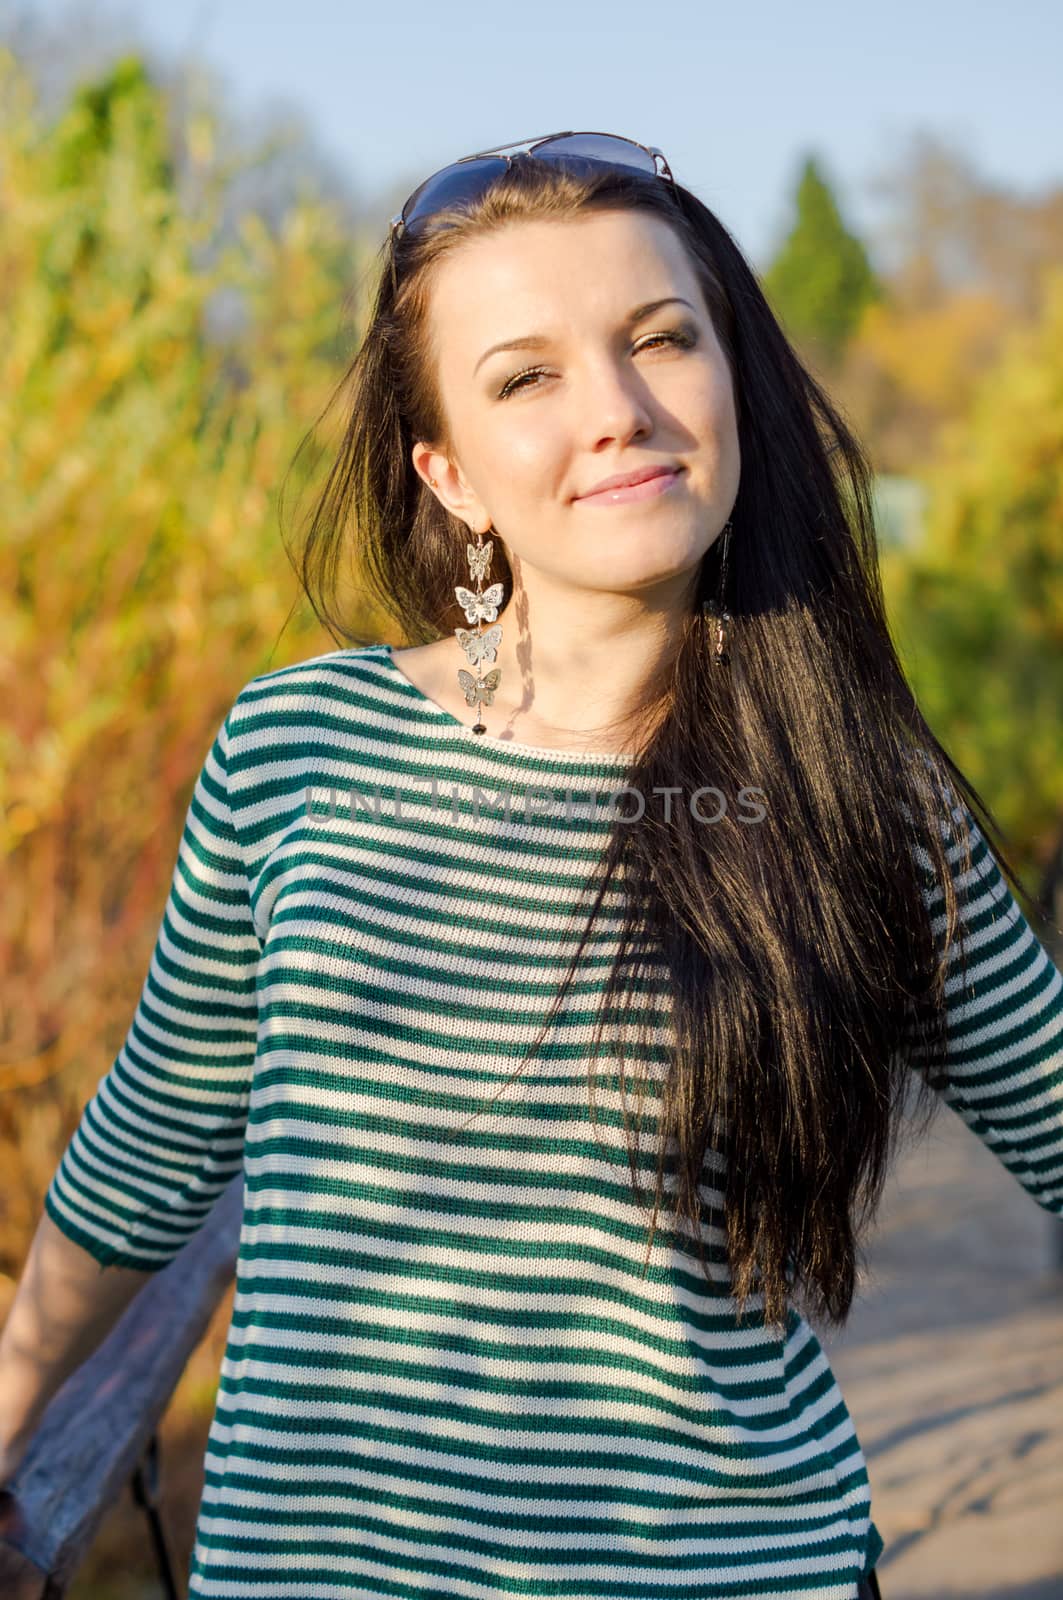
<point>608,395</point>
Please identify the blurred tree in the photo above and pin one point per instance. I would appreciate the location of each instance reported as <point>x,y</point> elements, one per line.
<point>963,264</point>
<point>142,577</point>
<point>909,369</point>
<point>821,280</point>
<point>978,609</point>
<point>951,229</point>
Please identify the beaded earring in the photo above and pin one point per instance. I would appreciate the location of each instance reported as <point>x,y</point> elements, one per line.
<point>715,611</point>
<point>480,606</point>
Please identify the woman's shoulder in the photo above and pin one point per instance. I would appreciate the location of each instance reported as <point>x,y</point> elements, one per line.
<point>336,673</point>
<point>289,705</point>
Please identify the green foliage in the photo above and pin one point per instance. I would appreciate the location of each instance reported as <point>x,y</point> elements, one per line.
<point>821,279</point>
<point>143,576</point>
<point>120,112</point>
<point>978,610</point>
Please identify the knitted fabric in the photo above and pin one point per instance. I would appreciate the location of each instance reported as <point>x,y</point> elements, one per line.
<point>447,1372</point>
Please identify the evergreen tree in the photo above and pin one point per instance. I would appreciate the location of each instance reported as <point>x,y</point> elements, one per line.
<point>821,279</point>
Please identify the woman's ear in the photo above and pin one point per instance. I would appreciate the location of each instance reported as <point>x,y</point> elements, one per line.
<point>447,483</point>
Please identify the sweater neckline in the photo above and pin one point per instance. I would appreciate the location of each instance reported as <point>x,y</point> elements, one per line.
<point>591,761</point>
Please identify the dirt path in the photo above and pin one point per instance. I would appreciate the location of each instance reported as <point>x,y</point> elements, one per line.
<point>952,1368</point>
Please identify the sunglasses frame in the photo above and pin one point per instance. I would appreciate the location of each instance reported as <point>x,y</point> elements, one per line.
<point>525,147</point>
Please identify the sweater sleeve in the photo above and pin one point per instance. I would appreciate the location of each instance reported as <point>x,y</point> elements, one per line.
<point>1003,1069</point>
<point>163,1134</point>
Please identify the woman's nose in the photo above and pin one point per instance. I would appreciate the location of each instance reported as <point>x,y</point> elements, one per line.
<point>616,403</point>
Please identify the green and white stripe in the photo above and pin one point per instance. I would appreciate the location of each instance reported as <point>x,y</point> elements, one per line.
<point>446,1373</point>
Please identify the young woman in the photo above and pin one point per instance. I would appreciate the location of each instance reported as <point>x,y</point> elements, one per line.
<point>557,983</point>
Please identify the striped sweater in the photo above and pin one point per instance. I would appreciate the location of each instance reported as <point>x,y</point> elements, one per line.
<point>447,1373</point>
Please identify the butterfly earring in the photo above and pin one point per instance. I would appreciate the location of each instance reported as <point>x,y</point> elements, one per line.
<point>715,610</point>
<point>480,606</point>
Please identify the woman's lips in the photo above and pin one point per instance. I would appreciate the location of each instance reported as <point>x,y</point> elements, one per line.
<point>646,490</point>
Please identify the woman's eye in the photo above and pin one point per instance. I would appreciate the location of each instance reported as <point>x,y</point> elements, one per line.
<point>520,380</point>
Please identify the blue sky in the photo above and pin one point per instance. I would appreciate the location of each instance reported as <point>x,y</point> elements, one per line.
<point>735,96</point>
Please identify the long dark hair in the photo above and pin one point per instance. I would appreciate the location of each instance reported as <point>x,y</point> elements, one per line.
<point>806,982</point>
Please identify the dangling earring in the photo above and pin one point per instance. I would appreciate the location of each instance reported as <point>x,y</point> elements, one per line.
<point>480,606</point>
<point>715,610</point>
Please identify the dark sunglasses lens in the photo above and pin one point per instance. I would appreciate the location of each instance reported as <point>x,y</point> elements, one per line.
<point>594,148</point>
<point>463,181</point>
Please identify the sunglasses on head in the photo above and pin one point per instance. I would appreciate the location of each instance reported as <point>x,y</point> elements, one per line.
<point>467,179</point>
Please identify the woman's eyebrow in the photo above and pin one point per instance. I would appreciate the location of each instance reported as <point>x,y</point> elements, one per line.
<point>536,341</point>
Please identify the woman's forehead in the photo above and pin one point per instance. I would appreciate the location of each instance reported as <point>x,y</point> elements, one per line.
<point>531,278</point>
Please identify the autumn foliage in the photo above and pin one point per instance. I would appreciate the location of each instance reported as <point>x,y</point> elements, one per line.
<point>163,358</point>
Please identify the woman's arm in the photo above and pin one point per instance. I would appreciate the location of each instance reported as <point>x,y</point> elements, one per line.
<point>1004,1061</point>
<point>63,1309</point>
<point>162,1136</point>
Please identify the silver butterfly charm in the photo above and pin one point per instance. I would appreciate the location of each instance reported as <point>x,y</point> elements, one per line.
<point>479,559</point>
<point>477,606</point>
<point>480,646</point>
<point>482,690</point>
<point>720,620</point>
